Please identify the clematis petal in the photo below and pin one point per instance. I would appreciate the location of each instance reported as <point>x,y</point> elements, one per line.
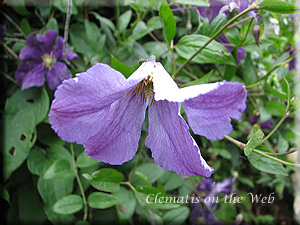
<point>164,86</point>
<point>29,75</point>
<point>209,113</point>
<point>47,41</point>
<point>57,74</point>
<point>32,51</point>
<point>80,103</point>
<point>171,144</point>
<point>118,137</point>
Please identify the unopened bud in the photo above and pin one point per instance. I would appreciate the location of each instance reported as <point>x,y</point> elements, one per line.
<point>256,32</point>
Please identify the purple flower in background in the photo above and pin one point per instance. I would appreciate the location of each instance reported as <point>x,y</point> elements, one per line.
<point>42,57</point>
<point>104,111</point>
<point>263,125</point>
<point>216,7</point>
<point>225,6</point>
<point>241,53</point>
<point>210,188</point>
<point>3,29</point>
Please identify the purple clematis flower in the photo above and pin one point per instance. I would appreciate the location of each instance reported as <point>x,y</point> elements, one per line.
<point>222,6</point>
<point>205,212</point>
<point>104,111</point>
<point>226,6</point>
<point>42,57</point>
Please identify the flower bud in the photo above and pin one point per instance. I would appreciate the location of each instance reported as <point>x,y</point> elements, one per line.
<point>256,32</point>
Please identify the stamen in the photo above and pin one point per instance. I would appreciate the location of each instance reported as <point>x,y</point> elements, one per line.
<point>144,89</point>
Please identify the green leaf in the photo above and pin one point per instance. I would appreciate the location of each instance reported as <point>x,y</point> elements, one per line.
<point>198,3</point>
<point>52,24</point>
<point>18,6</point>
<point>124,20</point>
<point>104,20</point>
<point>37,162</point>
<point>151,170</point>
<point>62,5</point>
<point>213,53</point>
<point>47,136</point>
<point>53,190</point>
<point>25,26</point>
<point>23,111</point>
<point>156,198</point>
<point>93,34</point>
<point>59,169</point>
<point>176,216</point>
<point>279,6</point>
<point>56,218</point>
<point>83,160</point>
<point>203,80</point>
<point>121,67</point>
<point>68,205</point>
<point>275,108</point>
<point>99,200</point>
<point>40,160</point>
<point>106,180</point>
<point>265,164</point>
<point>251,45</point>
<point>140,179</point>
<point>139,31</point>
<point>4,193</point>
<point>253,142</point>
<point>154,23</point>
<point>168,20</point>
<point>126,205</point>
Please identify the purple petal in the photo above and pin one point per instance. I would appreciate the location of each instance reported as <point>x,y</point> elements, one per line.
<point>241,54</point>
<point>224,187</point>
<point>47,41</point>
<point>29,75</point>
<point>58,73</point>
<point>244,4</point>
<point>212,11</point>
<point>71,56</point>
<point>32,51</point>
<point>119,132</point>
<point>209,113</point>
<point>171,144</point>
<point>58,51</point>
<point>80,103</point>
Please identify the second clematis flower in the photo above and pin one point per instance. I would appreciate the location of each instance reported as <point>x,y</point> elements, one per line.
<point>104,111</point>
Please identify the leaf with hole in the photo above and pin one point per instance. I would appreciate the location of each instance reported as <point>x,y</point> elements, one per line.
<point>23,111</point>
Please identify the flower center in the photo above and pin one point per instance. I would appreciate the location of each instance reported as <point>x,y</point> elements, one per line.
<point>144,89</point>
<point>48,61</point>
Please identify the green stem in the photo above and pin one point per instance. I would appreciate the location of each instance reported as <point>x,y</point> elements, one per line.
<point>236,142</point>
<point>286,114</point>
<point>139,156</point>
<point>266,154</point>
<point>252,7</point>
<point>85,206</point>
<point>275,159</point>
<point>271,70</point>
<point>66,31</point>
